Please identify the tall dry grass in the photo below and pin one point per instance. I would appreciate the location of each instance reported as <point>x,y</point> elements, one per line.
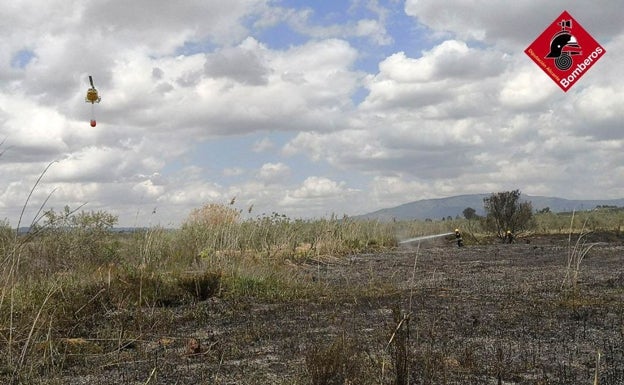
<point>577,251</point>
<point>73,278</point>
<point>597,220</point>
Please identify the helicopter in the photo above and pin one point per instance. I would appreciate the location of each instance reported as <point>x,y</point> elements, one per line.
<point>92,97</point>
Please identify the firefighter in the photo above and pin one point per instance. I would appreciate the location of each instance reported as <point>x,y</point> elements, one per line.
<point>458,238</point>
<point>509,238</point>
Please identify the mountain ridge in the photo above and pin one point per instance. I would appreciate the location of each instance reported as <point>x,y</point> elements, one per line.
<point>438,208</point>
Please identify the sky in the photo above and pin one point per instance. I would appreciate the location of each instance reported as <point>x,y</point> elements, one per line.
<point>302,108</point>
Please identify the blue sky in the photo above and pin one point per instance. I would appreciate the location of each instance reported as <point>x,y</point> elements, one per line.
<point>298,107</point>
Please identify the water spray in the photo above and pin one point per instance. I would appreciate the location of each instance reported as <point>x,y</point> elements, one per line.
<point>425,237</point>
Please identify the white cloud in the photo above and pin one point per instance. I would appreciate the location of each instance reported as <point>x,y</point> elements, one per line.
<point>315,190</point>
<point>454,105</point>
<point>262,145</point>
<point>233,171</point>
<point>273,172</point>
<point>245,63</point>
<point>511,26</point>
<point>374,30</point>
<point>522,93</point>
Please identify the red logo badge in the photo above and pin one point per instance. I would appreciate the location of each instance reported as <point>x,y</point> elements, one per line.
<point>565,51</point>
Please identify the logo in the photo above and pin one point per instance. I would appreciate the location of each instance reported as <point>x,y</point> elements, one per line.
<point>565,51</point>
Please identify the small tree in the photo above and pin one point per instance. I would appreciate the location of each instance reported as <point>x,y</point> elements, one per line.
<point>469,213</point>
<point>545,210</point>
<point>505,212</point>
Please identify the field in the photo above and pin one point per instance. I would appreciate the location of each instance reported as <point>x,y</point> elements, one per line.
<point>544,310</point>
<point>476,315</point>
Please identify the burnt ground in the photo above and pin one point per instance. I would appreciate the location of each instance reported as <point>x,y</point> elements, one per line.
<point>481,314</point>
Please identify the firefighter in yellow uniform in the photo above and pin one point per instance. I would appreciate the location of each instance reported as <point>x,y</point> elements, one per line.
<point>458,238</point>
<point>509,238</point>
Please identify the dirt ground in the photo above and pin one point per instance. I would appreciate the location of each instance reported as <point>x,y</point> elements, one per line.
<point>481,314</point>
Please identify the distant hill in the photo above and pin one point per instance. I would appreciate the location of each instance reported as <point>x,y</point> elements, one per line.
<point>454,206</point>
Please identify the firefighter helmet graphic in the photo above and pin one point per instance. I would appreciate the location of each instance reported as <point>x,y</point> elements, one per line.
<point>557,51</point>
<point>563,46</point>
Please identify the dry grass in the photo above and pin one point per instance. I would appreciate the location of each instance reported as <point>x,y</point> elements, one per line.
<point>576,255</point>
<point>75,295</point>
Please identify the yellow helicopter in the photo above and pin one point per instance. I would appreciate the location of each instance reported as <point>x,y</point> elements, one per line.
<point>92,97</point>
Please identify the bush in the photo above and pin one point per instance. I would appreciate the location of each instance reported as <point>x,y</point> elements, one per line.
<point>68,240</point>
<point>505,211</point>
